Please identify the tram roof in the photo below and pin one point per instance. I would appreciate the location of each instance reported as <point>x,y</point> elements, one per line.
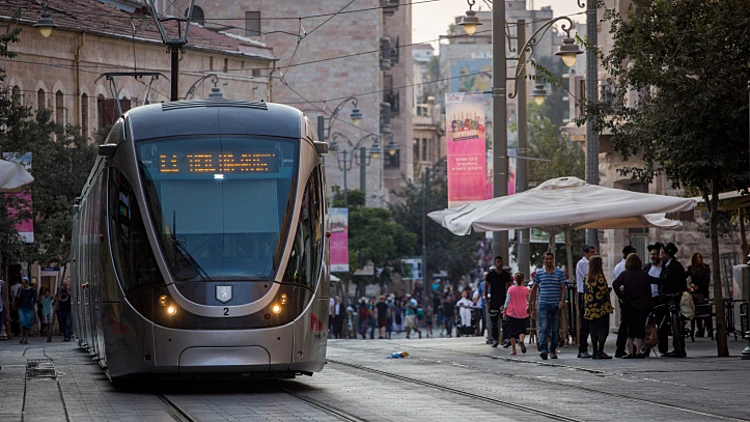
<point>216,117</point>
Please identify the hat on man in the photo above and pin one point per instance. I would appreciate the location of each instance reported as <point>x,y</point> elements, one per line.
<point>670,248</point>
<point>656,246</point>
<point>627,250</point>
<point>25,279</point>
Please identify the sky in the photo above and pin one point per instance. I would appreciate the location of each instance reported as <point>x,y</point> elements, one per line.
<point>430,20</point>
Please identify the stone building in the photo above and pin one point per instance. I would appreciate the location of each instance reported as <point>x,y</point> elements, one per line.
<point>330,51</point>
<point>62,72</point>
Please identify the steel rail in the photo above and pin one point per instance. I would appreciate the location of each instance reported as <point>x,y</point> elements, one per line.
<point>457,392</point>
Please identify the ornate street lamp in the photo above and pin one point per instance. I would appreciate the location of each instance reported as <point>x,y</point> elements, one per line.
<point>349,157</point>
<point>45,23</point>
<point>324,130</point>
<point>538,93</point>
<point>470,22</point>
<point>568,51</point>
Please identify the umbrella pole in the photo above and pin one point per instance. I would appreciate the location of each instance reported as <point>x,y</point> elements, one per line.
<point>571,277</point>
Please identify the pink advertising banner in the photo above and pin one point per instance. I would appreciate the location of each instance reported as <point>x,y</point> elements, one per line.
<point>25,228</point>
<point>466,149</point>
<point>339,219</point>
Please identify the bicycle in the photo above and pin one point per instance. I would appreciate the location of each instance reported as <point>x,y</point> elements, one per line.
<point>676,322</point>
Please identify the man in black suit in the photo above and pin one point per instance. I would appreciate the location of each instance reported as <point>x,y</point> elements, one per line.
<point>672,283</point>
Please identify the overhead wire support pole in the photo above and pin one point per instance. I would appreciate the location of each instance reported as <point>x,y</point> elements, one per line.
<point>173,44</point>
<point>499,119</point>
<point>592,139</point>
<point>522,165</point>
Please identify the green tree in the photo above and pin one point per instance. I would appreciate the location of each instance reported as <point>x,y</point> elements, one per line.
<point>61,161</point>
<point>445,251</point>
<point>375,237</point>
<point>687,60</point>
<point>13,209</point>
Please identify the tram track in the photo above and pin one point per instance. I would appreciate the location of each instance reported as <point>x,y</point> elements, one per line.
<point>333,411</point>
<point>41,367</point>
<point>480,397</point>
<point>548,382</point>
<point>174,410</point>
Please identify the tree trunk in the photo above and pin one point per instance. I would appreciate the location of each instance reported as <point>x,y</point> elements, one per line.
<point>721,328</point>
<point>743,235</point>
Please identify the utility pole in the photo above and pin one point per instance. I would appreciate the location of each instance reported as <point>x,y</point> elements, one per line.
<point>522,166</point>
<point>499,119</point>
<point>425,277</point>
<point>592,139</point>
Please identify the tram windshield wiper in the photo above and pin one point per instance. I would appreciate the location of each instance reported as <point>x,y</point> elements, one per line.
<point>178,247</point>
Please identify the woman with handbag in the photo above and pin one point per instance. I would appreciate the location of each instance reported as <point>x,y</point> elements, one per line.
<point>633,287</point>
<point>597,307</point>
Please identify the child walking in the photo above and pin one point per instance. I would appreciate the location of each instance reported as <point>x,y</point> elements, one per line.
<point>515,312</point>
<point>46,302</point>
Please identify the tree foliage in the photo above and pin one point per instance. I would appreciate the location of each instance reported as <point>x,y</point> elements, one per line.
<point>61,161</point>
<point>374,236</point>
<point>445,251</point>
<point>687,62</point>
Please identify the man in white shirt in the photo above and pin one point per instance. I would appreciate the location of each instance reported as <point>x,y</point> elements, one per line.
<point>622,335</point>
<point>582,269</point>
<point>620,267</point>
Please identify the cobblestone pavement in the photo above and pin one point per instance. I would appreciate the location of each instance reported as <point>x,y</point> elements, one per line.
<point>443,379</point>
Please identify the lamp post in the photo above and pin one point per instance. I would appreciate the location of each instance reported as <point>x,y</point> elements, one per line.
<point>592,139</point>
<point>746,286</point>
<point>346,162</point>
<point>568,52</point>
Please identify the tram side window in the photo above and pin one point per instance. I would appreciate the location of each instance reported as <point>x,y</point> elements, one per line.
<point>134,258</point>
<point>307,249</point>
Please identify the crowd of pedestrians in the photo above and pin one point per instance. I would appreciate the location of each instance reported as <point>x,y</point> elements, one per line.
<point>32,312</point>
<point>504,306</point>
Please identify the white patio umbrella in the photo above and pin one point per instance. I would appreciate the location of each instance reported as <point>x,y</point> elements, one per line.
<point>562,204</point>
<point>13,177</point>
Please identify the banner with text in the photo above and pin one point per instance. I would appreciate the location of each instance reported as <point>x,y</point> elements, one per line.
<point>339,218</point>
<point>466,149</point>
<point>25,228</point>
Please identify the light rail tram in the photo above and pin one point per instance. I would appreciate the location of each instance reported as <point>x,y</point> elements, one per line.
<point>199,244</point>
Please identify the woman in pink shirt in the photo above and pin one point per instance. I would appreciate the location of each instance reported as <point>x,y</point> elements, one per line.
<point>515,312</point>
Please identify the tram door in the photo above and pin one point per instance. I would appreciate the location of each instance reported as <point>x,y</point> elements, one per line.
<point>86,279</point>
<point>97,275</point>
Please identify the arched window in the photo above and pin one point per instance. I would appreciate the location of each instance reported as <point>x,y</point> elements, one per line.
<point>85,115</point>
<point>198,16</point>
<point>100,112</point>
<point>59,108</point>
<point>40,101</point>
<point>17,94</point>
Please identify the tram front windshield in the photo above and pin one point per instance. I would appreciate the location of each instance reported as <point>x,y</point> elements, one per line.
<point>221,205</point>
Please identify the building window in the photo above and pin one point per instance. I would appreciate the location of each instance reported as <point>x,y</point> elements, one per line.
<point>415,146</point>
<point>425,145</point>
<point>392,161</point>
<point>211,63</point>
<point>40,100</point>
<point>100,112</point>
<point>226,65</point>
<point>198,16</point>
<point>59,108</point>
<point>85,115</point>
<point>17,94</point>
<point>252,24</point>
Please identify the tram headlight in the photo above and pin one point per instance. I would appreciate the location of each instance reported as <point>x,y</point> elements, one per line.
<point>276,309</point>
<point>171,310</point>
<point>284,298</point>
<point>163,300</point>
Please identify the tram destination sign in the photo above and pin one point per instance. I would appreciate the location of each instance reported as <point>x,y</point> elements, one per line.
<point>195,163</point>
